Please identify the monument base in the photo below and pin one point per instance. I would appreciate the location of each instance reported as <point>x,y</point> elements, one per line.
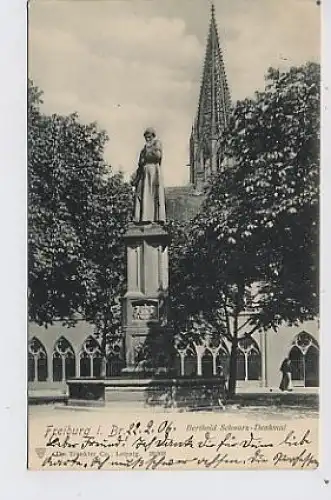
<point>147,341</point>
<point>191,393</point>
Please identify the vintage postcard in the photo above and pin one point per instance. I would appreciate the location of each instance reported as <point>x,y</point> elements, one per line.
<point>173,234</point>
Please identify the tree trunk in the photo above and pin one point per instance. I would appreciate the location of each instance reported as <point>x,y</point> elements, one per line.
<point>233,368</point>
<point>103,370</point>
<point>234,346</point>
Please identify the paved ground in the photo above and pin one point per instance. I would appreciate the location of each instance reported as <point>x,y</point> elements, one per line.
<point>265,412</point>
<point>257,402</point>
<point>240,390</point>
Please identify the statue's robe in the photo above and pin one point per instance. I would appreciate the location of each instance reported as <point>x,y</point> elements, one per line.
<point>149,205</point>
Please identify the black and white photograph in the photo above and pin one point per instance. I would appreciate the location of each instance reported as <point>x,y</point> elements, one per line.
<point>173,234</point>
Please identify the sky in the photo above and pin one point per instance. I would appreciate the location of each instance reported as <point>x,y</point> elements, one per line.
<point>130,64</point>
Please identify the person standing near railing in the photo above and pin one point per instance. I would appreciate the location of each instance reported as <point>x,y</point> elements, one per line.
<point>286,370</point>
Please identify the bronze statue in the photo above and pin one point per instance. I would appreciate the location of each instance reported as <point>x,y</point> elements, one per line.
<point>149,204</point>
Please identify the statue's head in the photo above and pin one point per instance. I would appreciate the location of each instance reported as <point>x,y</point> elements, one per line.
<point>149,134</point>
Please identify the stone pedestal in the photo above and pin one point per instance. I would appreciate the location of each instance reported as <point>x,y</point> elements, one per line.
<point>145,302</point>
<point>134,394</point>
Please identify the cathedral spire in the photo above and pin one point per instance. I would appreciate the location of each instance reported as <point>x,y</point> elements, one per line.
<point>214,101</point>
<point>213,108</point>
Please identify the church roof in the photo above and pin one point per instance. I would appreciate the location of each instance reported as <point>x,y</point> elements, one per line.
<point>214,101</point>
<point>182,202</point>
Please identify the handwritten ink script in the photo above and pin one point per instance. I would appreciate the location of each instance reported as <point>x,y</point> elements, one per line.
<point>172,443</point>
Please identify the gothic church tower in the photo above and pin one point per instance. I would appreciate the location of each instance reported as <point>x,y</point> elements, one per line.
<point>213,112</point>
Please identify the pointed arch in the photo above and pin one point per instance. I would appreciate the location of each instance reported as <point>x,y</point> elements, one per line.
<point>248,360</point>
<point>115,362</point>
<point>207,363</point>
<point>64,362</point>
<point>312,367</point>
<point>216,356</point>
<point>304,341</point>
<point>189,366</point>
<point>297,364</point>
<point>37,361</point>
<point>90,358</point>
<point>190,363</point>
<point>304,356</point>
<point>223,359</point>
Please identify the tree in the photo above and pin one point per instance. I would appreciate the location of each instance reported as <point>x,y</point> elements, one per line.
<point>65,167</point>
<point>273,144</point>
<point>106,260</point>
<point>78,210</point>
<point>178,232</point>
<point>253,249</point>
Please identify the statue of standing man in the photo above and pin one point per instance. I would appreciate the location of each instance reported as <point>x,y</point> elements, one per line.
<point>149,203</point>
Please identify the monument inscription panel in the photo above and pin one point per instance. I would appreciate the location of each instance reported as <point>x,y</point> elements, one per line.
<point>147,310</point>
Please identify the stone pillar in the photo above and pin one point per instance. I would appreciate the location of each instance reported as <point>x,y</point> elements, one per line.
<point>49,366</point>
<point>182,354</point>
<point>263,351</point>
<point>77,364</point>
<point>246,366</point>
<point>145,301</point>
<point>199,365</point>
<point>215,362</point>
<point>36,368</point>
<point>200,350</point>
<point>63,359</point>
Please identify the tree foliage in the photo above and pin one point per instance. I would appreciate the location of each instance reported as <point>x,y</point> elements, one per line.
<point>270,193</point>
<point>106,259</point>
<point>78,210</point>
<point>253,249</point>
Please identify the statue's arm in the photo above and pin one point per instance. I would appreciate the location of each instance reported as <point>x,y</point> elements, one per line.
<point>138,173</point>
<point>157,150</point>
<point>142,158</point>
